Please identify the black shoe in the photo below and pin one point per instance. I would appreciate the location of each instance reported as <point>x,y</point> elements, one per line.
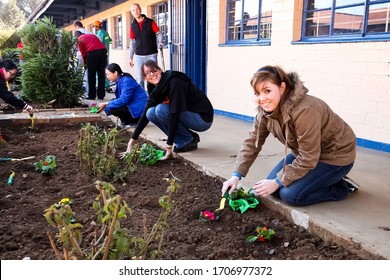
<point>123,125</point>
<point>352,185</point>
<point>196,137</point>
<point>90,98</point>
<point>186,148</point>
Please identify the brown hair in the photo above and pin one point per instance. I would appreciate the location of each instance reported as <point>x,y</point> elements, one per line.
<point>152,65</point>
<point>273,74</point>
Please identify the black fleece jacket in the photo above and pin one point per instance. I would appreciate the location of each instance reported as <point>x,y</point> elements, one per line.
<point>183,95</point>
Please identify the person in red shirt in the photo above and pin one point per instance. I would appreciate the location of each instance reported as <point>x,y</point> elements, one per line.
<point>145,36</point>
<point>94,55</point>
<point>20,47</point>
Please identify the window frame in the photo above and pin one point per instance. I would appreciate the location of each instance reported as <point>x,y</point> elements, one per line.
<point>258,40</point>
<point>118,32</point>
<point>349,37</point>
<point>154,8</point>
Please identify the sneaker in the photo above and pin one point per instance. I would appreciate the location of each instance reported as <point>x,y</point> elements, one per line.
<point>186,148</point>
<point>196,137</point>
<point>123,125</point>
<point>352,185</point>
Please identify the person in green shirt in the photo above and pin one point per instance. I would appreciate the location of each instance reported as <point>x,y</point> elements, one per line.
<point>106,40</point>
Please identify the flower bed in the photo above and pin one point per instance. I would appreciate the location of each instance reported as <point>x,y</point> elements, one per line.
<point>23,230</point>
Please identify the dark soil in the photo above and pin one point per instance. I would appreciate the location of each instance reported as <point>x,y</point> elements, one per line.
<point>23,227</point>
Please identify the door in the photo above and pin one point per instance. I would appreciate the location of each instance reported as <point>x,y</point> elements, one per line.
<point>195,46</point>
<point>188,39</point>
<point>177,35</point>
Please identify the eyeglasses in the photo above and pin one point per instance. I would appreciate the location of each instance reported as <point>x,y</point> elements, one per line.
<point>150,73</point>
<point>13,74</point>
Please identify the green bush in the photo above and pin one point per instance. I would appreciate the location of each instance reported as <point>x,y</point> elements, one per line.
<point>50,71</point>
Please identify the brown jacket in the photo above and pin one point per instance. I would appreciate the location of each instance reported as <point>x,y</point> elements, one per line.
<point>307,126</point>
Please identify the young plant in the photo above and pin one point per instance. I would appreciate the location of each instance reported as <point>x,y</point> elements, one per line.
<point>158,231</point>
<point>61,216</point>
<point>110,240</point>
<point>208,216</point>
<point>93,108</point>
<point>262,234</point>
<point>241,200</point>
<point>47,166</point>
<point>149,155</point>
<point>132,158</point>
<point>97,152</point>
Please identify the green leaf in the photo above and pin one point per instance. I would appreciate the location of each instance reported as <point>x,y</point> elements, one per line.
<point>251,238</point>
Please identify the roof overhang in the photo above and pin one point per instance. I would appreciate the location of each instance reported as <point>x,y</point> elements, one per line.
<point>64,12</point>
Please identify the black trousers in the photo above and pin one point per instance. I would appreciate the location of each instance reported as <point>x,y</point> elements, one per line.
<point>96,63</point>
<point>124,114</point>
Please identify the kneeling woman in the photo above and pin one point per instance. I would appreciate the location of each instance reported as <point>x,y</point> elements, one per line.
<point>323,145</point>
<point>130,98</point>
<point>176,106</point>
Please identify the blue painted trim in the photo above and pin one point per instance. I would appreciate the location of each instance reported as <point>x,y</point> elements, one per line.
<point>379,146</point>
<point>243,43</point>
<point>383,147</point>
<point>234,116</point>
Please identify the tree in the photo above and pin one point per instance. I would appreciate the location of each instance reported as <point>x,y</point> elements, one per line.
<point>50,71</point>
<point>11,16</point>
<point>28,6</point>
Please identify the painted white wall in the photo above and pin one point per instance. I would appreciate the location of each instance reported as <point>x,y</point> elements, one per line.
<point>353,78</point>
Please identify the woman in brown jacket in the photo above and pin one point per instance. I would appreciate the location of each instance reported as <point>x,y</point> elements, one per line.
<point>323,146</point>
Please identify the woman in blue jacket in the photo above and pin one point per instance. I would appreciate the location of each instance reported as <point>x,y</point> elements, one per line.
<point>130,98</point>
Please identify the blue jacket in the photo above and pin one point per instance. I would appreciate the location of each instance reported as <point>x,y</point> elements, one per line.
<point>128,93</point>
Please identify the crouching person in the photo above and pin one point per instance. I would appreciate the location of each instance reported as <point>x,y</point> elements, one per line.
<point>130,98</point>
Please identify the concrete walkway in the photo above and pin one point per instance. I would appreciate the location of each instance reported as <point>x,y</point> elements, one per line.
<point>361,222</point>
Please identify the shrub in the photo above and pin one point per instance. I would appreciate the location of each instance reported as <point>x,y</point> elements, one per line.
<point>50,71</point>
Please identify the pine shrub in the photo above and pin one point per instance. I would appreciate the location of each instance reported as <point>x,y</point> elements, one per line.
<point>50,71</point>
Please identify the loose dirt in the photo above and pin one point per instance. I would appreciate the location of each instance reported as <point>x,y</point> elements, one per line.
<point>23,227</point>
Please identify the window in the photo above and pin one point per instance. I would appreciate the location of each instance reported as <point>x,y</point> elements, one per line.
<point>118,32</point>
<point>248,21</point>
<point>346,19</point>
<point>159,13</point>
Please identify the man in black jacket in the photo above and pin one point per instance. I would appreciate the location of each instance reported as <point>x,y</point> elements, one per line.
<point>145,36</point>
<point>8,70</point>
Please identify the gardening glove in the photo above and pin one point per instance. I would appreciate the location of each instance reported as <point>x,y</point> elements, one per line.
<point>28,108</point>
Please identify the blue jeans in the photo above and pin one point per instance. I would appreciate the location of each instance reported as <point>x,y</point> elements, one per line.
<point>159,115</point>
<point>137,64</point>
<point>323,183</point>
